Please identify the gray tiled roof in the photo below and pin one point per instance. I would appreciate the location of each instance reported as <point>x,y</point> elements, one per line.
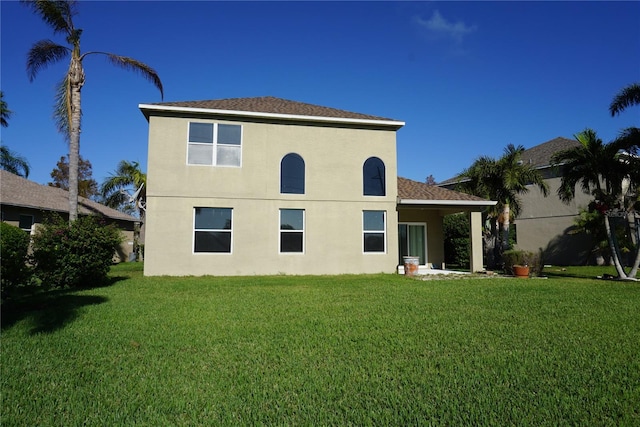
<point>538,156</point>
<point>414,190</point>
<point>271,105</point>
<point>18,191</point>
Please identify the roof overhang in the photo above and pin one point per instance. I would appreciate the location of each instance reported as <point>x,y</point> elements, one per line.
<point>456,203</point>
<point>147,108</point>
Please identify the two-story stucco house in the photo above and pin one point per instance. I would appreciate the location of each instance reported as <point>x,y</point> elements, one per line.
<point>547,223</point>
<point>249,186</point>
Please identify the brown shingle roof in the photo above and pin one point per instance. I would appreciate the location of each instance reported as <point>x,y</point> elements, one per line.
<point>414,190</point>
<point>18,191</point>
<point>271,105</point>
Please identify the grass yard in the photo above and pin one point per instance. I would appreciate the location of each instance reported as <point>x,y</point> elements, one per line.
<point>341,350</point>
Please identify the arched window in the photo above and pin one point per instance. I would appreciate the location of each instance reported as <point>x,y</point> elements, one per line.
<point>373,177</point>
<point>292,174</point>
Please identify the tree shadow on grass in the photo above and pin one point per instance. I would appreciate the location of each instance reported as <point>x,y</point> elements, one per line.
<point>51,310</point>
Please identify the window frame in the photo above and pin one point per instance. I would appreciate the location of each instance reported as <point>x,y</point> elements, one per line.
<point>365,177</point>
<point>304,172</point>
<point>383,232</point>
<point>28,230</point>
<point>222,230</point>
<point>426,246</point>
<point>214,144</point>
<point>282,231</point>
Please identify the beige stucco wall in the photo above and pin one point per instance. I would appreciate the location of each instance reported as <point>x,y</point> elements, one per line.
<point>545,222</point>
<point>333,200</point>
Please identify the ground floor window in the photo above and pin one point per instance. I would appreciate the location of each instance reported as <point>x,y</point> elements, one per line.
<point>25,222</point>
<point>291,230</point>
<point>412,239</point>
<point>212,230</point>
<point>374,231</point>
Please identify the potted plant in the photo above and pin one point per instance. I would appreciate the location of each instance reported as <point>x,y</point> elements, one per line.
<point>522,264</point>
<point>521,271</point>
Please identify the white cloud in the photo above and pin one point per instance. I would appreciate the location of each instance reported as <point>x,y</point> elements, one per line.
<point>439,26</point>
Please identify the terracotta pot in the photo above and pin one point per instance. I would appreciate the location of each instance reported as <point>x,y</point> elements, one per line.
<point>521,271</point>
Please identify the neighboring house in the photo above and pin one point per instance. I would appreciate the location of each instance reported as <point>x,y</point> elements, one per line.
<point>26,204</point>
<point>547,223</point>
<point>264,185</point>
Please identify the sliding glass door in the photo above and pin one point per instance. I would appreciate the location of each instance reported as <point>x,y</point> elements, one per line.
<point>412,238</point>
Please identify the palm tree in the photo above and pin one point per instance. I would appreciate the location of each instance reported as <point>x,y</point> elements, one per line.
<point>59,16</point>
<point>126,191</point>
<point>5,113</point>
<point>502,180</point>
<point>13,162</point>
<point>627,97</point>
<point>604,171</point>
<point>127,178</point>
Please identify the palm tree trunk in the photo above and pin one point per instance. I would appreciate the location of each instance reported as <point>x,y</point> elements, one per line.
<point>505,226</point>
<point>76,80</point>
<point>635,234</point>
<point>614,249</point>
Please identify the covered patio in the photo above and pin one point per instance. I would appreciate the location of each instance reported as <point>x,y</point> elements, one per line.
<point>421,210</point>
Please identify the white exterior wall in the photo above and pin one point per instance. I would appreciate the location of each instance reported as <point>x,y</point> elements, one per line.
<point>333,200</point>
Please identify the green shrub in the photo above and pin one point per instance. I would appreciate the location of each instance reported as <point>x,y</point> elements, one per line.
<point>14,246</point>
<point>456,240</point>
<point>76,255</point>
<point>513,257</point>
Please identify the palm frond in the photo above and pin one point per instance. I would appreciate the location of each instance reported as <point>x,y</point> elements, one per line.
<point>5,113</point>
<point>131,64</point>
<point>127,177</point>
<point>13,162</point>
<point>629,140</point>
<point>57,14</point>
<point>62,107</point>
<point>42,54</point>
<point>627,97</point>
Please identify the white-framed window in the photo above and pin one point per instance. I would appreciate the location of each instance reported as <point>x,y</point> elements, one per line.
<point>374,231</point>
<point>214,144</point>
<point>25,222</point>
<point>292,230</point>
<point>212,230</point>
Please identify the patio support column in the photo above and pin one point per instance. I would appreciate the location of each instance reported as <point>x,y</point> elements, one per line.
<point>475,239</point>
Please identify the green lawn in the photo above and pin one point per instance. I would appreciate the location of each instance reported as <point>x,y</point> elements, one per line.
<point>341,350</point>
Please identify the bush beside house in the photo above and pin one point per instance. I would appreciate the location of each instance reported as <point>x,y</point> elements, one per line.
<point>14,246</point>
<point>76,255</point>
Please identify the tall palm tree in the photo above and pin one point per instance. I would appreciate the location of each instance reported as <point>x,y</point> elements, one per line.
<point>628,96</point>
<point>5,113</point>
<point>502,180</point>
<point>13,162</point>
<point>59,16</point>
<point>118,190</point>
<point>604,171</point>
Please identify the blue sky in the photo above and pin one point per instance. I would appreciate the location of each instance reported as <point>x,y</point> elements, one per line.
<point>468,78</point>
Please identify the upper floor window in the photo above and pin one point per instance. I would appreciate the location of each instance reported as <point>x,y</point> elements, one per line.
<point>373,177</point>
<point>292,174</point>
<point>214,144</point>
